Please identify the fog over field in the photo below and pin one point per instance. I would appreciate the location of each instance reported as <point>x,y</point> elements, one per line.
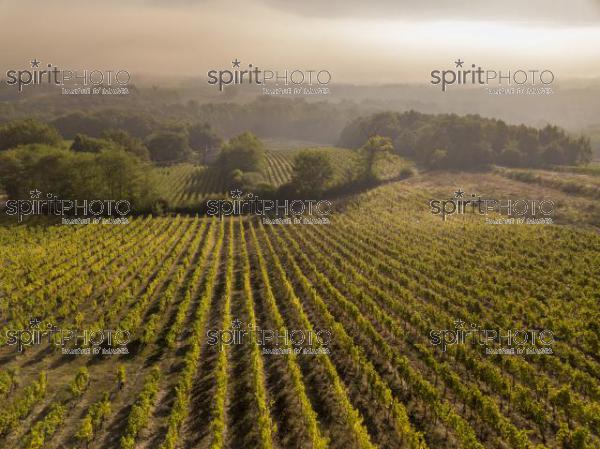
<point>383,41</point>
<point>379,55</point>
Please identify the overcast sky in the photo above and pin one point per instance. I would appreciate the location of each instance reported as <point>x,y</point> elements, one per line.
<point>379,41</point>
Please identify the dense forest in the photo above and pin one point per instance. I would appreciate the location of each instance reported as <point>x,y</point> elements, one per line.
<point>470,141</point>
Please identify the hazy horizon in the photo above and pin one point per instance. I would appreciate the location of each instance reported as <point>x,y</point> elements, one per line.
<point>384,43</point>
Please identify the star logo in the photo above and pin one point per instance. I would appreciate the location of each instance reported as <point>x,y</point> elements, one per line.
<point>459,63</point>
<point>237,193</point>
<point>35,63</point>
<point>35,193</point>
<point>459,193</point>
<point>236,324</point>
<point>235,63</point>
<point>34,323</point>
<point>459,323</point>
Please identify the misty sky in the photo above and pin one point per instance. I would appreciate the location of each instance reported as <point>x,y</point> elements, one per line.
<point>379,41</point>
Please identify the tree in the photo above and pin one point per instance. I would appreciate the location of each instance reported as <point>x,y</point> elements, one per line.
<point>469,141</point>
<point>201,138</point>
<point>31,167</point>
<point>528,145</point>
<point>510,157</point>
<point>168,146</point>
<point>138,124</point>
<point>85,144</point>
<point>578,151</point>
<point>236,179</point>
<point>499,136</point>
<point>129,143</point>
<point>110,174</point>
<point>245,152</point>
<point>405,144</point>
<point>122,174</point>
<point>375,146</point>
<point>550,134</point>
<point>312,172</point>
<point>438,159</point>
<point>553,154</point>
<point>23,132</point>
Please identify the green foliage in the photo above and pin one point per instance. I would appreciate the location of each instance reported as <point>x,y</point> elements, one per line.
<point>6,383</point>
<point>100,410</point>
<point>168,146</point>
<point>129,143</point>
<point>93,420</point>
<point>217,423</point>
<point>85,144</point>
<point>202,137</point>
<point>28,131</point>
<point>181,409</point>
<point>81,382</point>
<point>469,141</point>
<point>95,124</point>
<point>439,159</point>
<point>112,174</point>
<point>20,407</point>
<point>372,149</point>
<point>244,152</point>
<point>379,286</point>
<point>121,376</point>
<point>237,178</point>
<point>85,432</point>
<point>140,411</point>
<point>406,172</point>
<point>576,439</point>
<point>312,172</point>
<point>44,429</point>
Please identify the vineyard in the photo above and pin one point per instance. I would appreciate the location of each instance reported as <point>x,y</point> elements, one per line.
<point>580,183</point>
<point>186,186</point>
<point>379,282</point>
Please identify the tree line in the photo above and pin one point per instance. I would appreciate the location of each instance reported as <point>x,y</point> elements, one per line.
<point>470,141</point>
<point>109,165</point>
<point>146,137</point>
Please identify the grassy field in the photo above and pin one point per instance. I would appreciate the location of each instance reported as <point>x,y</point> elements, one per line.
<point>581,181</point>
<point>380,278</point>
